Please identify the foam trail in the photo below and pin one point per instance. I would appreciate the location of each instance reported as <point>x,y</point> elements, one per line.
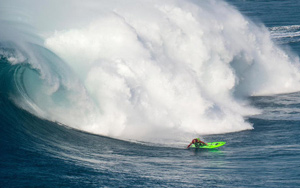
<point>162,70</point>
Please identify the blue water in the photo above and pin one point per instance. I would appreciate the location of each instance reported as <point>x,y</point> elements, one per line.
<point>38,153</point>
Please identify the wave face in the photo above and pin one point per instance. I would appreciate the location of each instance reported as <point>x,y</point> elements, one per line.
<point>142,70</point>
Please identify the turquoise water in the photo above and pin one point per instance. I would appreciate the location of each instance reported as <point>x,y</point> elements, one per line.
<point>35,152</point>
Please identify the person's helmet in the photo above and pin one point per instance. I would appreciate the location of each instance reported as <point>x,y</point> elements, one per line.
<point>198,139</point>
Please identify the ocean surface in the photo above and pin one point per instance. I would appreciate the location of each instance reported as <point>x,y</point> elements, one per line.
<point>109,94</point>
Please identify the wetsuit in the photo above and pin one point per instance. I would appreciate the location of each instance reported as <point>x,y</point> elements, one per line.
<point>195,141</point>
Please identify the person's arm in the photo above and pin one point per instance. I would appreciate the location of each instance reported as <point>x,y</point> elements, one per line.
<point>203,143</point>
<point>189,145</point>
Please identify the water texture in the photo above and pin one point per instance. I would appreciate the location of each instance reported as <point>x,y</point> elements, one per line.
<point>105,94</point>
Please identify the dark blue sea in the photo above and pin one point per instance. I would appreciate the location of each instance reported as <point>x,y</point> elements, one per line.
<point>109,94</point>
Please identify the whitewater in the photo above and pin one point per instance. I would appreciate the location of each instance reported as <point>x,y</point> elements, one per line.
<point>142,70</point>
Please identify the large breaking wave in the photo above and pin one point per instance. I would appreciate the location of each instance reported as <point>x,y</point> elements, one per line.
<point>142,70</point>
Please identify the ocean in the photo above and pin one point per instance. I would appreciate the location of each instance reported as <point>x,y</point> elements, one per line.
<point>110,93</point>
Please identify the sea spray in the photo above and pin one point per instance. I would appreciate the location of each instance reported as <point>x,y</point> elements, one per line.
<point>150,70</point>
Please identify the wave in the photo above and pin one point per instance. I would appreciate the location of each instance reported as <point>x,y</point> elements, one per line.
<point>286,34</point>
<point>164,70</point>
